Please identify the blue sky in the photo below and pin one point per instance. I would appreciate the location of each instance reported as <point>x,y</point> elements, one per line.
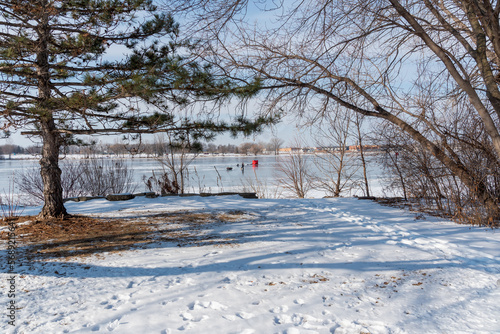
<point>286,130</point>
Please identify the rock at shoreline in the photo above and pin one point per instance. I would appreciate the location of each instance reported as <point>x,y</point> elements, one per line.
<point>148,194</point>
<point>248,195</point>
<point>119,197</point>
<point>81,198</point>
<point>244,195</point>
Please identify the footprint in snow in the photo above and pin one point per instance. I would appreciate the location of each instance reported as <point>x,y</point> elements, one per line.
<point>171,301</point>
<point>189,317</point>
<point>113,325</point>
<point>216,306</point>
<point>229,317</point>
<point>187,326</point>
<point>279,309</point>
<point>212,254</point>
<point>283,319</point>
<point>245,315</point>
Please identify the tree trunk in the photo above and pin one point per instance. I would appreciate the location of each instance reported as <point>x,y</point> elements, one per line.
<point>365,174</point>
<point>463,83</point>
<point>51,173</point>
<point>401,178</point>
<point>362,154</point>
<point>339,177</point>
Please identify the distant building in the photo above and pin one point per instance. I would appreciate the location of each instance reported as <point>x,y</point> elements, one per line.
<point>290,150</point>
<point>366,148</point>
<point>326,149</point>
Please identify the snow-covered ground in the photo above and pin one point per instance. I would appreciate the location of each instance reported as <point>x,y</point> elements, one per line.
<point>298,266</point>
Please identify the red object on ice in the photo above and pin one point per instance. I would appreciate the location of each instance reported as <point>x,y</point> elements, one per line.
<point>255,162</point>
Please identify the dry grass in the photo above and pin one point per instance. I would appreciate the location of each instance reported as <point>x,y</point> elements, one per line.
<point>80,236</point>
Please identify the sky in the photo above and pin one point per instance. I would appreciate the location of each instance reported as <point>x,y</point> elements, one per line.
<point>286,130</point>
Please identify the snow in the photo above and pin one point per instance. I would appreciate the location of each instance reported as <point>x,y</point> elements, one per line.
<point>298,266</point>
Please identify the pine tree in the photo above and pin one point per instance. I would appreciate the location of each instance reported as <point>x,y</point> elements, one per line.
<point>80,67</point>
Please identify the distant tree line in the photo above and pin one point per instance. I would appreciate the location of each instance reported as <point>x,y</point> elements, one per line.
<point>10,149</point>
<point>248,148</point>
<point>157,149</point>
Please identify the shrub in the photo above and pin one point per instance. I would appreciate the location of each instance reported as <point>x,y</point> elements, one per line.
<point>89,177</point>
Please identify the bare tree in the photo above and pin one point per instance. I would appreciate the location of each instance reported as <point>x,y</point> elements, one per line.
<point>396,151</point>
<point>358,122</point>
<point>101,176</point>
<point>294,172</point>
<point>429,184</point>
<point>402,62</point>
<point>256,148</point>
<point>251,148</point>
<point>337,168</point>
<point>87,177</point>
<point>159,145</point>
<point>118,148</point>
<point>275,144</point>
<point>179,153</point>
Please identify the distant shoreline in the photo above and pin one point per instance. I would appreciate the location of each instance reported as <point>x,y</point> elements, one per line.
<point>5,157</point>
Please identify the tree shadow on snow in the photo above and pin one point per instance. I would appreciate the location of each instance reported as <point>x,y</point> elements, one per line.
<point>65,249</point>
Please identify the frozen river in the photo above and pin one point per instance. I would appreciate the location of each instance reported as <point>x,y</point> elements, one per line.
<point>208,173</point>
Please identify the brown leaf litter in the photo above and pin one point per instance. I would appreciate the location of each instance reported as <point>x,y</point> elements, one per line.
<point>79,236</point>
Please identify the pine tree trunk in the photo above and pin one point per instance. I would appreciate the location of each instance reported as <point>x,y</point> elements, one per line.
<point>51,174</point>
<point>50,171</point>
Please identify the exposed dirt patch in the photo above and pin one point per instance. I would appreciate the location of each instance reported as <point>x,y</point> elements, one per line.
<point>82,236</point>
